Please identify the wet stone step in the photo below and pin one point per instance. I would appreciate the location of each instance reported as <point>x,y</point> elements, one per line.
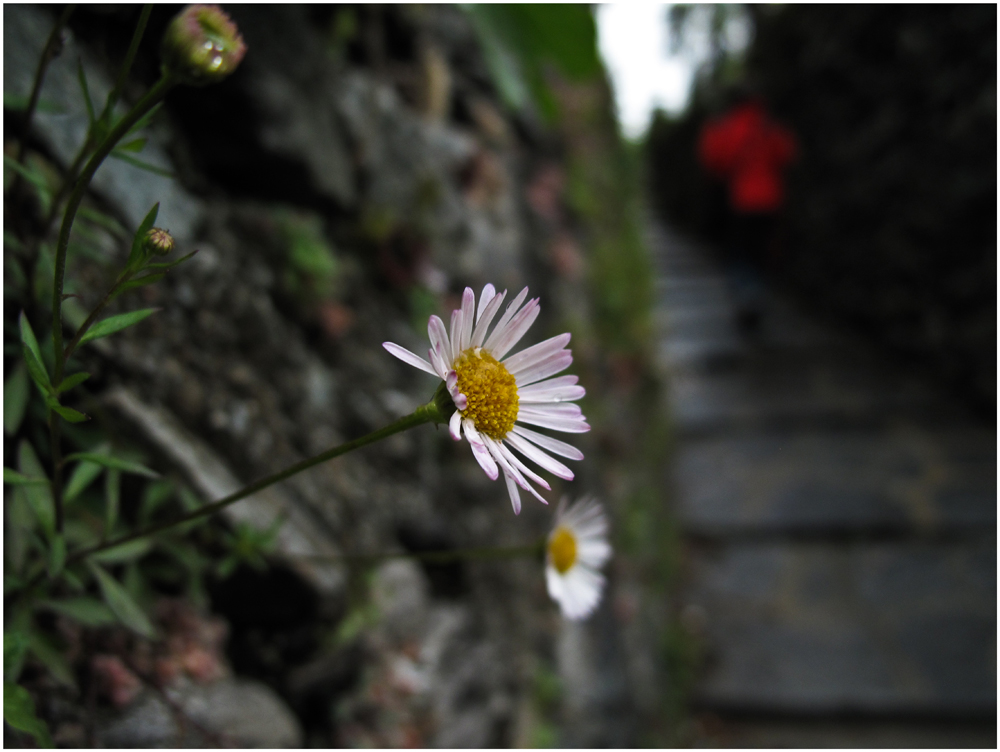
<point>819,628</point>
<point>838,482</point>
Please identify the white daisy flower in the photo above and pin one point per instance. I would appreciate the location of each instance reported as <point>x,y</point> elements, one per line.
<point>577,548</point>
<point>494,398</point>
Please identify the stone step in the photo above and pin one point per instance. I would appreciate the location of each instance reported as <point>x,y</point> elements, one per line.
<point>838,482</point>
<point>864,628</point>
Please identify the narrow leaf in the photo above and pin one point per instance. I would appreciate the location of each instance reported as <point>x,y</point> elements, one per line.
<point>170,264</point>
<point>116,323</point>
<point>136,255</point>
<point>116,463</point>
<point>130,551</point>
<point>144,120</point>
<point>53,660</point>
<point>39,496</point>
<point>136,145</point>
<point>83,475</point>
<point>71,381</point>
<point>101,219</point>
<point>32,176</point>
<point>19,712</point>
<point>148,279</point>
<point>15,646</point>
<point>19,103</point>
<point>38,373</point>
<point>86,610</point>
<point>121,603</point>
<point>14,478</point>
<point>69,414</point>
<point>57,555</point>
<point>15,399</point>
<point>86,92</point>
<point>129,159</point>
<point>31,346</point>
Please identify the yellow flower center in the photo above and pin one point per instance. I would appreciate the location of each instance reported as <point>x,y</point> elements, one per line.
<point>490,390</point>
<point>562,549</point>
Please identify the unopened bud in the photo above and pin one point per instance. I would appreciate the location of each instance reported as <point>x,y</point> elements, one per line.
<point>202,45</point>
<point>158,241</point>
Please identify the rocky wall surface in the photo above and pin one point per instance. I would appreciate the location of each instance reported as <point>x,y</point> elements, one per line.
<point>350,179</point>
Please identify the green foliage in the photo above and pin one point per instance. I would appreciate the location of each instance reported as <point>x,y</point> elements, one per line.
<point>116,463</point>
<point>311,265</point>
<point>248,545</point>
<point>15,398</point>
<point>522,42</point>
<point>19,712</point>
<point>116,323</point>
<point>121,602</point>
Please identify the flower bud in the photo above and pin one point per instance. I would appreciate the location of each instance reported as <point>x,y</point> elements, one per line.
<point>158,241</point>
<point>202,45</point>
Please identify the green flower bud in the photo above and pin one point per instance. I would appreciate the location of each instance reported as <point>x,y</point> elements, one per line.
<point>158,241</point>
<point>202,45</point>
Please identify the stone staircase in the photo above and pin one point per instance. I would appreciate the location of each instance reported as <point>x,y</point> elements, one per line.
<point>838,516</point>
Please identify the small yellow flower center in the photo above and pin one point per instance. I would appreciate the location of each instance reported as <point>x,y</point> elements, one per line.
<point>562,549</point>
<point>490,390</point>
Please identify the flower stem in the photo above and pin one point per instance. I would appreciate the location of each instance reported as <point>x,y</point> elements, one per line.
<point>140,29</point>
<point>440,557</point>
<point>425,414</point>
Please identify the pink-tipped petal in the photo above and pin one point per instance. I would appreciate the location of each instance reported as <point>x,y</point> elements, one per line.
<point>468,318</point>
<point>552,365</point>
<point>487,295</point>
<point>516,329</point>
<point>543,393</point>
<point>555,422</point>
<point>455,426</point>
<point>438,360</point>
<point>515,497</point>
<point>508,314</point>
<point>535,454</point>
<point>536,353</point>
<point>409,358</point>
<point>479,333</point>
<point>439,337</point>
<point>526,471</point>
<point>479,450</point>
<point>547,442</point>
<point>455,333</point>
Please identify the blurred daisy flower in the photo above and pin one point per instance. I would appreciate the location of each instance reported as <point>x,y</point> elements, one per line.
<point>494,398</point>
<point>577,548</point>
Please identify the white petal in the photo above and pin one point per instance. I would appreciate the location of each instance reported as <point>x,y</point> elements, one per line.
<point>552,365</point>
<point>479,450</point>
<point>542,392</point>
<point>438,360</point>
<point>535,454</point>
<point>455,331</point>
<point>525,470</point>
<point>409,358</point>
<point>547,442</point>
<point>593,553</point>
<point>455,426</point>
<point>582,587</point>
<point>508,314</point>
<point>439,337</point>
<point>516,329</point>
<point>564,409</point>
<point>468,315</point>
<point>528,357</point>
<point>487,295</point>
<point>555,422</point>
<point>479,333</point>
<point>515,497</point>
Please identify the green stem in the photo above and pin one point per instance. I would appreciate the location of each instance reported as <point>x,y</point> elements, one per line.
<point>55,429</point>
<point>143,106</point>
<point>440,557</point>
<point>424,414</point>
<point>48,53</point>
<point>127,63</point>
<point>125,277</point>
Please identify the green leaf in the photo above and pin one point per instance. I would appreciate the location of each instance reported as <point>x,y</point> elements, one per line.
<point>57,555</point>
<point>33,355</point>
<point>136,145</point>
<point>155,495</point>
<point>135,256</point>
<point>125,552</point>
<point>19,103</point>
<point>144,120</point>
<point>69,414</point>
<point>39,496</point>
<point>170,264</point>
<point>15,647</point>
<point>116,323</point>
<point>85,610</point>
<point>71,381</point>
<point>147,279</point>
<point>15,399</point>
<point>129,159</point>
<point>82,77</point>
<point>14,478</point>
<point>52,659</point>
<point>101,219</point>
<point>83,475</point>
<point>32,176</point>
<point>116,463</point>
<point>112,498</point>
<point>121,603</point>
<point>19,712</point>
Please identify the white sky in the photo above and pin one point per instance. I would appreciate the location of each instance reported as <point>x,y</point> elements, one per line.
<point>633,38</point>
